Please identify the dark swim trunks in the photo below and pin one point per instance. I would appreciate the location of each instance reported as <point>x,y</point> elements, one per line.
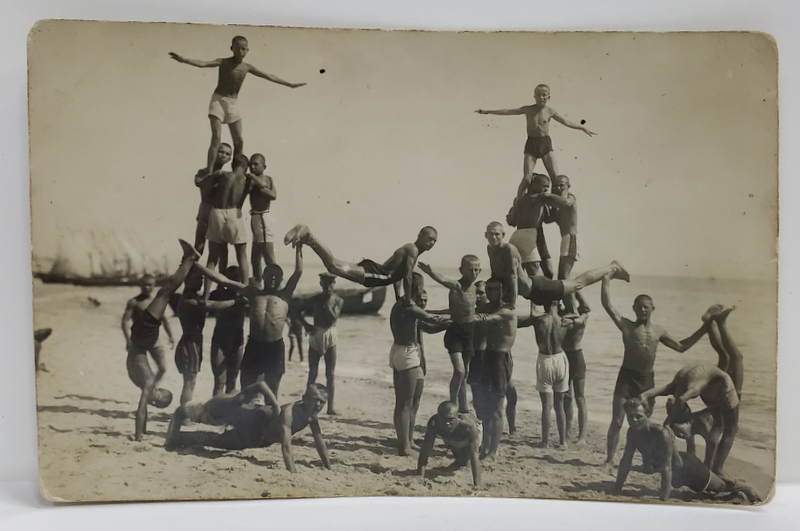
<point>262,358</point>
<point>144,332</point>
<point>189,354</point>
<point>458,338</point>
<point>497,370</point>
<point>377,275</point>
<point>228,340</point>
<point>475,374</point>
<point>577,365</point>
<point>538,146</point>
<point>545,290</point>
<point>693,474</point>
<point>631,383</point>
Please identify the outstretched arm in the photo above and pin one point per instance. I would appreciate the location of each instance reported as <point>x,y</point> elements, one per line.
<point>291,284</point>
<point>320,444</point>
<point>195,62</point>
<point>503,112</point>
<point>269,77</point>
<point>572,125</point>
<point>605,299</point>
<point>446,282</point>
<point>427,446</point>
<point>530,320</point>
<point>686,344</point>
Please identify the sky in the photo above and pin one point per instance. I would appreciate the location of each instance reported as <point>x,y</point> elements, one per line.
<point>681,178</point>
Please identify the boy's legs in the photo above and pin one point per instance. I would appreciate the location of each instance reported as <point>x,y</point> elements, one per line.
<point>612,437</point>
<point>558,404</point>
<point>568,400</point>
<point>214,251</point>
<point>735,359</point>
<point>405,383</point>
<point>730,427</point>
<point>330,367</point>
<point>313,365</point>
<point>216,140</point>
<point>546,263</point>
<point>565,265</point>
<point>340,268</point>
<point>458,387</point>
<point>571,285</point>
<point>189,381</point>
<point>237,137</point>
<point>159,304</point>
<point>511,408</point>
<point>494,427</point>
<point>578,385</point>
<point>233,361</point>
<point>528,165</point>
<point>551,165</point>
<point>241,259</point>
<point>412,421</point>
<point>218,368</point>
<point>547,407</point>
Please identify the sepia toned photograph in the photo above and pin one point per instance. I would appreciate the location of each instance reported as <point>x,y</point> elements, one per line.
<point>363,273</point>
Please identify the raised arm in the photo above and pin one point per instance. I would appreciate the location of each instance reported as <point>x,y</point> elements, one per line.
<point>427,446</point>
<point>291,284</point>
<point>625,463</point>
<point>572,125</point>
<point>446,282</point>
<point>320,443</point>
<point>605,299</point>
<point>685,344</point>
<point>269,77</point>
<point>195,62</point>
<point>503,112</point>
<point>265,185</point>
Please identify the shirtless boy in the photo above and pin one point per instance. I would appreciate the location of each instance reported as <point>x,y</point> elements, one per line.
<point>565,214</point>
<point>262,194</point>
<point>537,120</point>
<point>252,426</point>
<point>134,309</point>
<point>458,338</point>
<point>296,334</point>
<point>527,215</point>
<point>717,391</point>
<point>227,343</point>
<point>640,339</point>
<point>325,307</point>
<point>495,366</point>
<point>144,337</point>
<point>396,270</point>
<point>205,181</point>
<point>552,370</point>
<point>223,106</point>
<point>460,433</point>
<point>265,352</point>
<point>506,265</point>
<point>225,221</point>
<point>678,469</point>
<point>404,359</point>
<point>576,326</point>
<point>192,315</point>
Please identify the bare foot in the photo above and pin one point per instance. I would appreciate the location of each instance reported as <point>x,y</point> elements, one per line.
<point>619,272</point>
<point>296,235</point>
<point>189,252</point>
<point>562,446</point>
<point>542,444</point>
<point>489,458</point>
<point>722,315</point>
<point>608,468</point>
<point>712,312</point>
<point>332,412</point>
<point>581,441</point>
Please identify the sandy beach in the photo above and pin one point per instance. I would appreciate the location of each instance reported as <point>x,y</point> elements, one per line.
<point>87,452</point>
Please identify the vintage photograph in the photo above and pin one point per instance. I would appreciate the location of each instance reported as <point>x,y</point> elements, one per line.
<point>362,273</point>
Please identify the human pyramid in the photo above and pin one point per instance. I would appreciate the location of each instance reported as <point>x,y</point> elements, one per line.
<point>480,325</point>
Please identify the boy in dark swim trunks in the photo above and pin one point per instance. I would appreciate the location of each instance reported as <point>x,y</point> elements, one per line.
<point>506,265</point>
<point>537,120</point>
<point>227,343</point>
<point>144,336</point>
<point>296,333</point>
<point>678,469</point>
<point>576,326</point>
<point>460,432</point>
<point>223,109</point>
<point>396,270</point>
<point>192,315</point>
<point>640,339</point>
<point>458,338</point>
<point>252,426</point>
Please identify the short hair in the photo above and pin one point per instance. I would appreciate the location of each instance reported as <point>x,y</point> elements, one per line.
<point>327,276</point>
<point>226,145</point>
<point>258,156</point>
<point>446,406</point>
<point>233,273</point>
<point>147,278</point>
<point>240,161</point>
<point>494,224</point>
<point>541,86</point>
<point>160,398</point>
<point>427,229</point>
<point>634,402</point>
<point>643,298</point>
<point>319,388</point>
<point>237,38</point>
<point>469,259</point>
<point>540,177</point>
<point>564,178</point>
<point>479,283</point>
<point>499,282</point>
<point>275,267</point>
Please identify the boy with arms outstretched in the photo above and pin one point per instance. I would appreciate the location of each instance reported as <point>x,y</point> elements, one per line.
<point>223,109</point>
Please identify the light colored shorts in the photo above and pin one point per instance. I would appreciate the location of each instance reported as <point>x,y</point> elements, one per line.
<point>552,373</point>
<point>262,225</point>
<point>224,108</point>
<point>570,246</point>
<point>525,242</point>
<point>322,340</point>
<point>226,226</point>
<point>404,357</point>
